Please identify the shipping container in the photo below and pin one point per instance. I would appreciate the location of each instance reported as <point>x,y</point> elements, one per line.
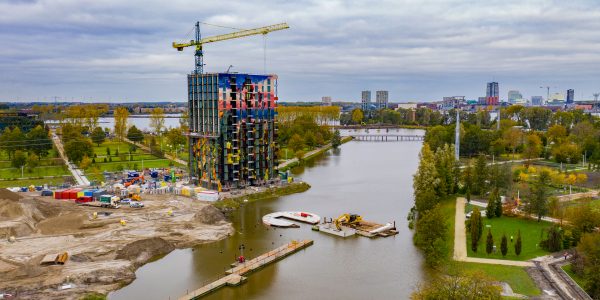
<point>105,198</point>
<point>84,199</point>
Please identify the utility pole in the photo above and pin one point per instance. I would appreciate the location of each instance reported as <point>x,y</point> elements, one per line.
<point>457,136</point>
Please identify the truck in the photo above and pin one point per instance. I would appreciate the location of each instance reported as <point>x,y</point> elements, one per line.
<point>108,201</point>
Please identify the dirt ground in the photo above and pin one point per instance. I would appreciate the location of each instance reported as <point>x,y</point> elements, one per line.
<point>103,254</point>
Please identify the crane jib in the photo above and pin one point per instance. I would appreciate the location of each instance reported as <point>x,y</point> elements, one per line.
<point>233,35</point>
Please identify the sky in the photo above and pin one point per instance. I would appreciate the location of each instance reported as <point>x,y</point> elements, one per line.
<point>418,50</point>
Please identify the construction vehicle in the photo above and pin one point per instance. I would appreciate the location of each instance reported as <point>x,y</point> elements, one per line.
<point>347,219</point>
<point>199,42</point>
<point>134,196</point>
<point>107,201</point>
<point>133,180</point>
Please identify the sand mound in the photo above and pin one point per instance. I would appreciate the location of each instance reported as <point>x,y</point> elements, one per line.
<point>142,250</point>
<point>209,215</point>
<point>62,224</point>
<point>8,195</point>
<point>10,210</point>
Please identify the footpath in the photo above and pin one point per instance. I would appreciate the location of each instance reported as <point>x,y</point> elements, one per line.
<point>146,148</point>
<point>75,171</point>
<point>310,154</point>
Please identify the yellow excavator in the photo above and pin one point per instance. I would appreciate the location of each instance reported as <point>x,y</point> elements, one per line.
<point>347,219</point>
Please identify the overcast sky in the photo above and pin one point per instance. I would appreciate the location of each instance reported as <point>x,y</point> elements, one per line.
<point>116,50</point>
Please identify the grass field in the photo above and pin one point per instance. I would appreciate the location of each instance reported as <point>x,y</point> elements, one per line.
<point>27,182</point>
<point>36,172</point>
<point>531,235</point>
<point>516,277</point>
<point>580,281</point>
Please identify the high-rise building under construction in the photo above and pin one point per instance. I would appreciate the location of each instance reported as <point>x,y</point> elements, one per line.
<point>232,129</point>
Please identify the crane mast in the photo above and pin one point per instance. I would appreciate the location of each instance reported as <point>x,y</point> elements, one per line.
<point>199,41</point>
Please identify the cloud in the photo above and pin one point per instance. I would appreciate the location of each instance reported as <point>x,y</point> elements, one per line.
<point>416,49</point>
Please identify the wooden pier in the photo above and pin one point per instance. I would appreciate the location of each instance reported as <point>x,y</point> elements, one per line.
<point>387,137</point>
<point>235,276</point>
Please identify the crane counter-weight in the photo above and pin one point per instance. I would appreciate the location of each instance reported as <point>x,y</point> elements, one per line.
<point>198,41</point>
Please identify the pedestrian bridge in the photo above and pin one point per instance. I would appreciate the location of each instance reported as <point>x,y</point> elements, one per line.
<point>387,137</point>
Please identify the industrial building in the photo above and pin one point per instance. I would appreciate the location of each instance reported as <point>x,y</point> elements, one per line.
<point>232,129</point>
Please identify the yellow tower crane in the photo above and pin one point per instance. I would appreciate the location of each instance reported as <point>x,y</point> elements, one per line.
<point>198,42</point>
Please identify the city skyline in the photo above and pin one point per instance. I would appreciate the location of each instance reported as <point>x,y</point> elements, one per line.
<point>122,51</point>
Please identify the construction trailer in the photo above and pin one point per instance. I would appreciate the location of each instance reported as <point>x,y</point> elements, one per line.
<point>233,130</point>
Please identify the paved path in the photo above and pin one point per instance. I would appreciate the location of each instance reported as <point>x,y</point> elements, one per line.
<point>460,241</point>
<point>547,219</point>
<point>77,173</point>
<point>507,162</point>
<point>146,148</point>
<point>311,153</point>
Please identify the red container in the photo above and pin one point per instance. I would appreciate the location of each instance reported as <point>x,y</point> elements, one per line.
<point>63,194</point>
<point>58,194</point>
<point>73,194</point>
<point>84,199</point>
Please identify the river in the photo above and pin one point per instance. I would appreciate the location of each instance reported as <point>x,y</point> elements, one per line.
<point>373,179</point>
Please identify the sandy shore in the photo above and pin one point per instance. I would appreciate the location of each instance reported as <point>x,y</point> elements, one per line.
<point>103,254</point>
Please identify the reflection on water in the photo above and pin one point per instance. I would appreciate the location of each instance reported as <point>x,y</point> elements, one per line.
<point>371,179</point>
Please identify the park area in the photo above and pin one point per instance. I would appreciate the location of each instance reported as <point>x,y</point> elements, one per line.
<point>48,170</point>
<point>113,156</point>
<point>532,233</point>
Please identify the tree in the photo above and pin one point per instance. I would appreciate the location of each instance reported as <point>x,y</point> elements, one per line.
<point>480,174</point>
<point>489,243</point>
<point>40,143</point>
<point>12,140</point>
<point>431,235</point>
<point>566,153</point>
<point>78,148</point>
<point>504,245</point>
<point>175,138</point>
<point>134,134</point>
<point>121,114</point>
<point>33,161</point>
<point>19,159</point>
<point>85,162</point>
<point>357,116</point>
<point>513,138</point>
<point>557,134</point>
<point>518,244</point>
<point>584,217</point>
<point>157,119</point>
<point>468,179</point>
<point>98,136</point>
<point>553,242</point>
<point>107,151</point>
<point>425,181</point>
<point>589,250</point>
<point>336,141</point>
<point>490,209</point>
<point>465,286</point>
<point>532,147</point>
<point>476,228</point>
<point>498,206</point>
<point>537,201</point>
<point>296,143</point>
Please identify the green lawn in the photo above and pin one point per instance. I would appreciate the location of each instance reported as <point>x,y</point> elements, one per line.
<point>578,279</point>
<point>37,172</point>
<point>28,182</point>
<point>516,277</point>
<point>531,235</point>
<point>449,210</point>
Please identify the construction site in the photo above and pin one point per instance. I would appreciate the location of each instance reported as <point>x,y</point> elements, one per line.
<point>61,250</point>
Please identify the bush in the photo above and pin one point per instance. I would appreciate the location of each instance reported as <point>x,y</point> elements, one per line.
<point>518,244</point>
<point>504,245</point>
<point>489,243</point>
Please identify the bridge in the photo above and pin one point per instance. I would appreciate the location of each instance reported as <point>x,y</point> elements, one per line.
<point>387,137</point>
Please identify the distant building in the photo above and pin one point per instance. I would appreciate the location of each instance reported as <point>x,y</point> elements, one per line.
<point>407,106</point>
<point>514,95</point>
<point>556,97</point>
<point>366,100</point>
<point>492,94</point>
<point>481,100</point>
<point>537,100</point>
<point>326,100</point>
<point>570,96</point>
<point>452,102</point>
<point>381,99</point>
